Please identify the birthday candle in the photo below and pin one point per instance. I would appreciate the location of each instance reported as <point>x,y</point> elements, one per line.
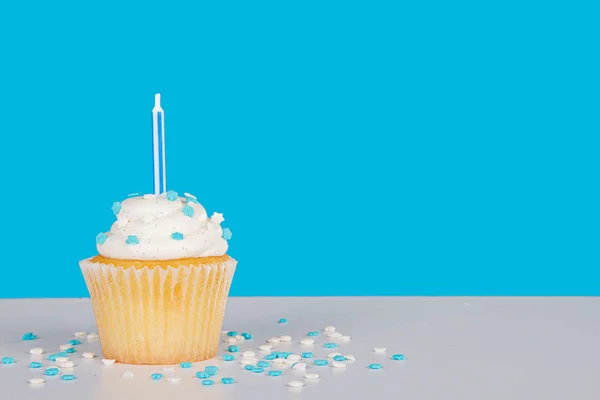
<point>158,146</point>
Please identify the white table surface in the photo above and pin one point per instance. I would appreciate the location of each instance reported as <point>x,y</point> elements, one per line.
<point>456,348</point>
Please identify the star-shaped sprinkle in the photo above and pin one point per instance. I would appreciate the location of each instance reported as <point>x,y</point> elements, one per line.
<point>172,195</point>
<point>116,207</point>
<point>188,211</point>
<point>217,217</point>
<point>132,239</point>
<point>177,236</point>
<point>101,238</point>
<point>227,234</point>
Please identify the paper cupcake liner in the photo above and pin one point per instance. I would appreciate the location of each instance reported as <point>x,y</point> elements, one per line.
<point>157,315</point>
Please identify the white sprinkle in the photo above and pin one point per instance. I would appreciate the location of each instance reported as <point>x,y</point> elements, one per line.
<point>68,364</point>
<point>59,370</point>
<point>295,384</point>
<point>350,357</point>
<point>334,334</point>
<point>379,349</point>
<point>64,347</point>
<point>294,357</point>
<point>36,351</point>
<point>230,340</point>
<point>307,342</point>
<point>274,340</point>
<point>224,332</point>
<point>240,338</point>
<point>127,374</point>
<point>88,355</point>
<point>189,195</point>
<point>344,337</point>
<point>168,368</point>
<point>331,355</point>
<point>36,381</point>
<point>311,375</point>
<point>61,359</point>
<point>299,366</point>
<point>265,347</point>
<point>285,338</point>
<point>329,328</point>
<point>107,361</point>
<point>80,334</point>
<point>338,364</point>
<point>92,336</point>
<point>279,360</point>
<point>149,196</point>
<point>174,379</point>
<point>248,361</point>
<point>248,354</point>
<point>289,362</point>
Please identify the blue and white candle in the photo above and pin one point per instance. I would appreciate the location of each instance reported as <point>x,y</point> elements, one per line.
<point>158,146</point>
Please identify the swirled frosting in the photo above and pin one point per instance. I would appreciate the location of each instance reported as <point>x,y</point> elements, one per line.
<point>162,227</point>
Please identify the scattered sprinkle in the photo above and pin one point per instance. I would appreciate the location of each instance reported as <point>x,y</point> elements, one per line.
<point>228,357</point>
<point>284,354</point>
<point>230,340</point>
<point>36,351</point>
<point>174,379</point>
<point>70,350</point>
<point>339,358</point>
<point>67,364</point>
<point>79,334</point>
<point>274,372</point>
<point>74,342</point>
<point>107,361</point>
<point>135,194</point>
<point>258,370</point>
<point>67,377</point>
<point>274,340</point>
<point>186,364</point>
<point>285,338</point>
<point>232,333</point>
<point>283,320</point>
<point>338,364</point>
<point>35,365</point>
<point>208,382</point>
<point>307,342</point>
<point>177,236</point>
<point>61,359</point>
<point>299,366</point>
<point>36,381</point>
<point>172,195</point>
<point>295,384</point>
<point>293,357</point>
<point>313,333</point>
<point>248,367</point>
<point>227,234</point>
<point>248,361</point>
<point>374,366</point>
<point>92,336</point>
<point>320,363</point>
<point>329,328</point>
<point>127,374</point>
<point>8,360</point>
<point>269,357</point>
<point>116,207</point>
<point>211,368</point>
<point>101,238</point>
<point>398,357</point>
<point>233,349</point>
<point>332,355</point>
<point>64,347</point>
<point>156,376</point>
<point>52,371</point>
<point>53,357</point>
<point>202,375</point>
<point>379,349</point>
<point>330,345</point>
<point>311,375</point>
<point>246,336</point>
<point>248,354</point>
<point>88,355</point>
<point>344,337</point>
<point>279,360</point>
<point>132,239</point>
<point>188,211</point>
<point>263,364</point>
<point>334,335</point>
<point>29,336</point>
<point>227,381</point>
<point>307,354</point>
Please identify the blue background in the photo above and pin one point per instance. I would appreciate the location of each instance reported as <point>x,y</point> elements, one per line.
<point>355,148</point>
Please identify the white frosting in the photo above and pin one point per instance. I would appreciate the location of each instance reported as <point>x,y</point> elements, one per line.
<point>153,220</point>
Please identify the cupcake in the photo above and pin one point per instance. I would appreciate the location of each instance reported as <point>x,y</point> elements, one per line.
<point>161,280</point>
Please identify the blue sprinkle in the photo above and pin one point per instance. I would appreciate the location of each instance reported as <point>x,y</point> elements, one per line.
<point>227,234</point>
<point>270,357</point>
<point>276,354</point>
<point>53,357</point>
<point>188,211</point>
<point>228,357</point>
<point>211,368</point>
<point>132,239</point>
<point>320,363</point>
<point>274,372</point>
<point>116,207</point>
<point>208,382</point>
<point>248,367</point>
<point>398,357</point>
<point>74,342</point>
<point>101,238</point>
<point>135,194</point>
<point>29,336</point>
<point>232,333</point>
<point>211,372</point>
<point>374,366</point>
<point>191,199</point>
<point>7,360</point>
<point>172,195</point>
<point>51,371</point>
<point>258,370</point>
<point>330,345</point>
<point>67,377</point>
<point>263,364</point>
<point>339,358</point>
<point>227,381</point>
<point>284,354</point>
<point>202,375</point>
<point>283,320</point>
<point>70,350</point>
<point>156,376</point>
<point>35,365</point>
<point>307,354</point>
<point>233,349</point>
<point>186,364</point>
<point>246,336</point>
<point>313,333</point>
<point>177,236</point>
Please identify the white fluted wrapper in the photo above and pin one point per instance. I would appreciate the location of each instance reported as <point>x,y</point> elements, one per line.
<point>159,315</point>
